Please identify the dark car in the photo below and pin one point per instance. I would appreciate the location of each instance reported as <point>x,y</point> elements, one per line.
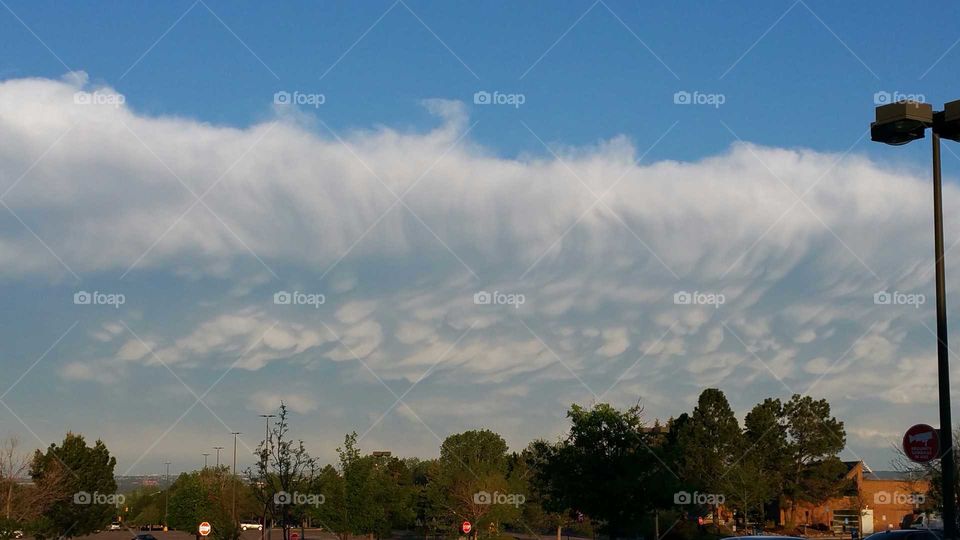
<point>771,537</point>
<point>907,534</point>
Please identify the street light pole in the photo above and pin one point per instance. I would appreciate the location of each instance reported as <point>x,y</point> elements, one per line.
<point>205,455</point>
<point>233,476</point>
<point>897,124</point>
<point>218,449</point>
<point>265,533</point>
<point>166,499</point>
<point>947,462</point>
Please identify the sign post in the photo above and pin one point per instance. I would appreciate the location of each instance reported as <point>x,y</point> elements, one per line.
<point>204,529</point>
<point>921,443</point>
<point>466,527</point>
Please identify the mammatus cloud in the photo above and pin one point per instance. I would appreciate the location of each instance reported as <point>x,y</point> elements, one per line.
<point>776,255</point>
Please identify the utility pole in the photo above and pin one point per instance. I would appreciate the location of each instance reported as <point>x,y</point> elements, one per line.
<point>166,499</point>
<point>233,475</point>
<point>265,533</point>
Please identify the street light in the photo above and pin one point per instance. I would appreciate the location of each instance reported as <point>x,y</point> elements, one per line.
<point>265,532</point>
<point>166,499</point>
<point>218,449</point>
<point>897,124</point>
<point>233,476</point>
<point>205,455</point>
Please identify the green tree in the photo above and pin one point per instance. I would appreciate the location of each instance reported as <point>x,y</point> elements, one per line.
<point>470,482</point>
<point>814,440</point>
<point>598,470</point>
<point>89,483</point>
<point>712,444</point>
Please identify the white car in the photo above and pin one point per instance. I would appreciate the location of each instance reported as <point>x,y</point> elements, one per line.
<point>115,526</point>
<point>245,526</point>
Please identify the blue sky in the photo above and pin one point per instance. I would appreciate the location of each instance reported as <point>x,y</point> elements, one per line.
<point>199,197</point>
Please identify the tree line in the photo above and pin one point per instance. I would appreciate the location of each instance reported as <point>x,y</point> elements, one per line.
<point>612,474</point>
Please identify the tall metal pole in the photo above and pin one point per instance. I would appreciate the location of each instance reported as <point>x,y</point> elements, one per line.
<point>233,476</point>
<point>205,455</point>
<point>265,533</point>
<point>218,449</point>
<point>166,499</point>
<point>948,466</point>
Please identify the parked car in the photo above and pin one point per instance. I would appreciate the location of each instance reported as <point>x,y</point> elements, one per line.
<point>115,526</point>
<point>251,525</point>
<point>908,534</point>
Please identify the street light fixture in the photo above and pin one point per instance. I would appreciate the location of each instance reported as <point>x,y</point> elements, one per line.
<point>898,124</point>
<point>205,456</point>
<point>218,449</point>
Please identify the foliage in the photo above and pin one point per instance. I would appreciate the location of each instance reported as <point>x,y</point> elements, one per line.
<point>82,476</point>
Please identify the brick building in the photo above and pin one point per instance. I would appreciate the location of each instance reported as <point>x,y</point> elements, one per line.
<point>872,501</point>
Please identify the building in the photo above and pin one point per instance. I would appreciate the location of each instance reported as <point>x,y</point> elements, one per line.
<point>871,501</point>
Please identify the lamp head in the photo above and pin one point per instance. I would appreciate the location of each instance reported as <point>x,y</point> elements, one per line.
<point>902,122</point>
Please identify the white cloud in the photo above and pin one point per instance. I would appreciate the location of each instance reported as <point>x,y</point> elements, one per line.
<point>798,279</point>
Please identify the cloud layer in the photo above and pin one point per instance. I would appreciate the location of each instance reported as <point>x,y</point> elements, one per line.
<point>201,225</point>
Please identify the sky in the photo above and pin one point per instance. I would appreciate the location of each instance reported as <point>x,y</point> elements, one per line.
<point>409,219</point>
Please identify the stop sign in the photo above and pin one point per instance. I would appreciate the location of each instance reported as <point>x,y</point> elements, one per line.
<point>921,443</point>
<point>204,529</point>
<point>294,536</point>
<point>466,527</point>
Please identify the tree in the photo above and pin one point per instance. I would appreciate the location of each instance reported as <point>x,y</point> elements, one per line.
<point>814,440</point>
<point>284,475</point>
<point>13,466</point>
<point>198,496</point>
<point>759,478</point>
<point>599,468</point>
<point>712,444</point>
<point>86,473</point>
<point>469,482</point>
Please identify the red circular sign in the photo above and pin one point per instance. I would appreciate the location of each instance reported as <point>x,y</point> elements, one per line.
<point>466,527</point>
<point>921,443</point>
<point>204,529</point>
<point>294,536</point>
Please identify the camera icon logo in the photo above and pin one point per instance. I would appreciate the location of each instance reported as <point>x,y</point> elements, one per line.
<point>881,497</point>
<point>481,98</point>
<point>882,98</point>
<point>282,298</point>
<point>82,497</point>
<point>82,298</point>
<point>882,298</point>
<point>482,497</point>
<point>281,98</point>
<point>282,498</point>
<point>682,298</point>
<point>482,298</point>
<point>82,98</point>
<point>682,98</point>
<point>682,497</point>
